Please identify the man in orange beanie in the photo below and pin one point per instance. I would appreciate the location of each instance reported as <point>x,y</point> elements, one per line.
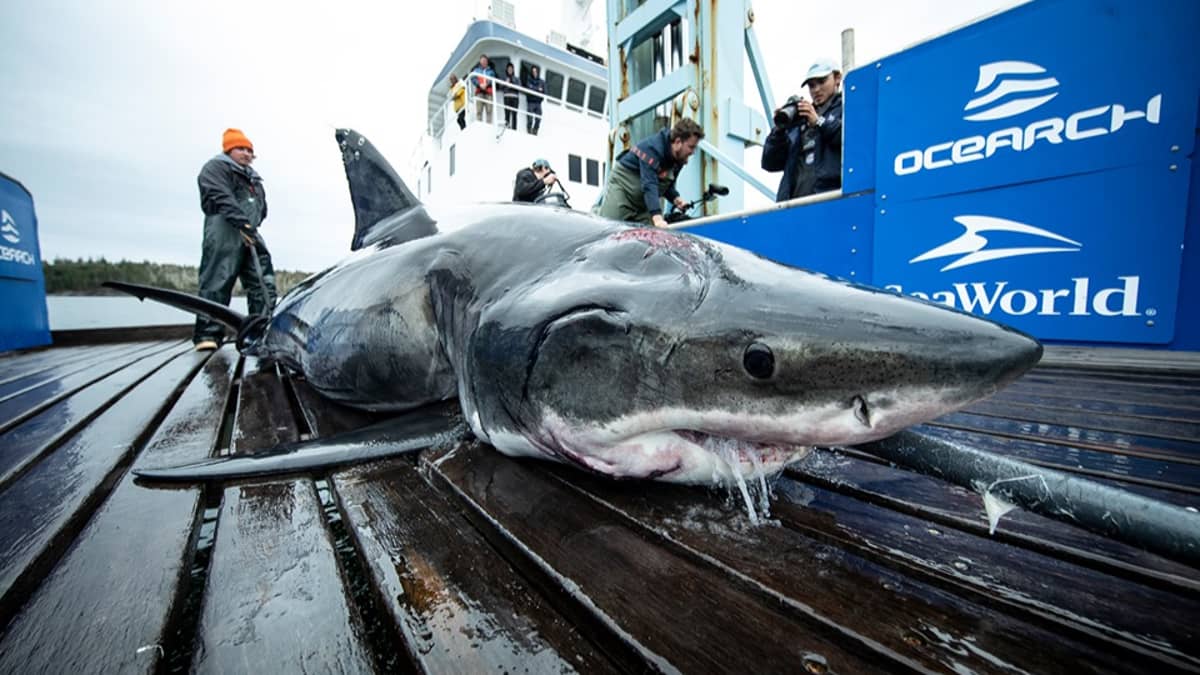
<point>234,205</point>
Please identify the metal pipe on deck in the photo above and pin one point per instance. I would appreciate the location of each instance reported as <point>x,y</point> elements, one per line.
<point>1164,529</point>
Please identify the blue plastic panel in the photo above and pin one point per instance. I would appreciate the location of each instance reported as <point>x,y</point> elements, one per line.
<point>19,257</point>
<point>1045,90</point>
<point>861,99</point>
<point>1092,258</point>
<point>832,237</point>
<point>22,287</point>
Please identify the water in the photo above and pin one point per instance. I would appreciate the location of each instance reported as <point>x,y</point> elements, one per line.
<point>728,450</point>
<point>71,312</point>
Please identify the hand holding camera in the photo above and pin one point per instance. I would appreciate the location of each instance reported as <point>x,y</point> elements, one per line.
<point>795,111</point>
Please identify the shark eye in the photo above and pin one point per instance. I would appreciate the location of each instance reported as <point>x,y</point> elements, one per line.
<point>758,361</point>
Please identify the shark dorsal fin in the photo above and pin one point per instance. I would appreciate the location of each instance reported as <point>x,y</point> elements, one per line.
<point>385,211</point>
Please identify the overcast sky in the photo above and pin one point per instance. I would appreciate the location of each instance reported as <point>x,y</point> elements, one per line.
<point>111,107</point>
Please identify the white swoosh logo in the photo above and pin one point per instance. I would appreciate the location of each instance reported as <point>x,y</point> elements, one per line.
<point>973,244</point>
<point>990,73</point>
<point>11,233</point>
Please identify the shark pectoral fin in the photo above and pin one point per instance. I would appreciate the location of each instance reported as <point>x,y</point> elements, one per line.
<point>391,438</point>
<point>185,301</point>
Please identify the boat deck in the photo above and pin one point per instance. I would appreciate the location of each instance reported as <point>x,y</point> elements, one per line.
<point>459,559</point>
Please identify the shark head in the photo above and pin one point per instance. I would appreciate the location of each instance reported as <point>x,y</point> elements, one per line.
<point>657,354</point>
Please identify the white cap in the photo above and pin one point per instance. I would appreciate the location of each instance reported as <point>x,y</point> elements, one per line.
<point>821,68</point>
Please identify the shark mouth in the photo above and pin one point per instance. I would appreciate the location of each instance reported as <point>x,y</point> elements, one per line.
<point>676,456</point>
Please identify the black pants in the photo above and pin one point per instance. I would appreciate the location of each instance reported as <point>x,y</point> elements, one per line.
<point>533,117</point>
<point>224,259</point>
<point>510,112</point>
<point>462,118</point>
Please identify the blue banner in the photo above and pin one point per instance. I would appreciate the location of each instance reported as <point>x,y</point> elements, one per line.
<point>22,287</point>
<point>19,256</point>
<point>1093,258</point>
<point>1046,90</point>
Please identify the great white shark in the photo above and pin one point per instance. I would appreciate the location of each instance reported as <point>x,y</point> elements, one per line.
<point>627,351</point>
<point>636,353</point>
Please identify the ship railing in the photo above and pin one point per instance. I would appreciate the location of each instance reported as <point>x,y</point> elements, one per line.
<point>493,106</point>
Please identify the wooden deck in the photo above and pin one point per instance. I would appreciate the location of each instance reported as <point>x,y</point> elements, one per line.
<point>462,560</point>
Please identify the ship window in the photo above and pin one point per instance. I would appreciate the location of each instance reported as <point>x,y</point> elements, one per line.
<point>575,168</point>
<point>596,99</point>
<point>526,67</point>
<point>593,172</point>
<point>554,84</point>
<point>575,92</point>
<point>498,64</point>
<point>452,160</point>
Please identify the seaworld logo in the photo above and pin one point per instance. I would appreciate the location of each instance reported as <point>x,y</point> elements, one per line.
<point>1079,298</point>
<point>1004,90</point>
<point>973,245</point>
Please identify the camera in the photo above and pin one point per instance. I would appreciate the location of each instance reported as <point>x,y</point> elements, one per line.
<point>787,116</point>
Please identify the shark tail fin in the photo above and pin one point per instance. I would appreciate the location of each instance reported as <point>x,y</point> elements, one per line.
<point>248,328</point>
<point>385,210</point>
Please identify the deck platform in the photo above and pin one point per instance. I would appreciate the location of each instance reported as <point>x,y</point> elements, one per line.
<point>461,560</point>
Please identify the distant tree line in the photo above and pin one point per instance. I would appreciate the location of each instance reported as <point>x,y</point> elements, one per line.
<point>83,277</point>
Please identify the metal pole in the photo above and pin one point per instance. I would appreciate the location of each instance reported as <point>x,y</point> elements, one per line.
<point>847,50</point>
<point>1167,530</point>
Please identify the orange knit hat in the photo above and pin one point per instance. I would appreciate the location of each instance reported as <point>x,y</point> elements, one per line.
<point>234,138</point>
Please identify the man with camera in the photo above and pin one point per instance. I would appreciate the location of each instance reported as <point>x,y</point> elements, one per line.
<point>533,181</point>
<point>805,142</point>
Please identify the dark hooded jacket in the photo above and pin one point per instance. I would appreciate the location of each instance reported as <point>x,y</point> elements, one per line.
<point>651,160</point>
<point>232,192</point>
<point>528,186</point>
<point>787,149</point>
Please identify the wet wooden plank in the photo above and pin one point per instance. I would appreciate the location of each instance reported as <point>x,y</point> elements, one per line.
<point>24,405</point>
<point>275,599</point>
<point>106,606</point>
<point>16,368</point>
<point>1092,439</point>
<point>952,506</point>
<point>326,418</point>
<point>1130,407</point>
<point>936,628</point>
<point>25,443</point>
<point>1121,359</point>
<point>1180,392</point>
<point>41,512</point>
<point>458,607</point>
<point>47,376</point>
<point>1100,421</point>
<point>668,608</point>
<point>1138,627</point>
<point>1174,482</point>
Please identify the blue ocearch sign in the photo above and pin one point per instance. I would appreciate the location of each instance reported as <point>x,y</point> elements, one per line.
<point>1039,257</point>
<point>1071,87</point>
<point>19,257</point>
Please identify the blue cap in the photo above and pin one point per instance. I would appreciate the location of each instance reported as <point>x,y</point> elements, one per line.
<point>541,163</point>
